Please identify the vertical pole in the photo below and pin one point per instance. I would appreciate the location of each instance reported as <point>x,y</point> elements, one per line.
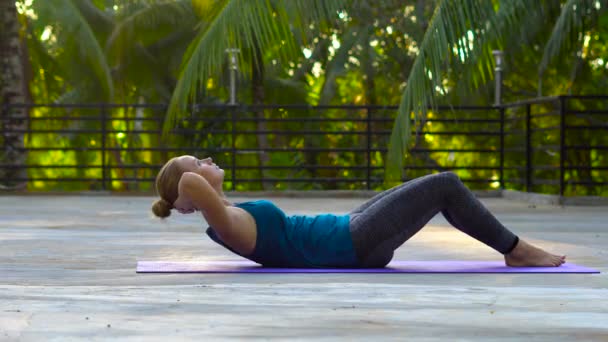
<point>369,147</point>
<point>4,113</point>
<point>562,143</point>
<point>103,146</point>
<point>233,71</point>
<point>498,56</point>
<point>502,148</point>
<point>233,148</point>
<point>233,102</point>
<point>528,148</point>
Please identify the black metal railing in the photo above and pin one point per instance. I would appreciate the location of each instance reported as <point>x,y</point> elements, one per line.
<point>531,145</point>
<point>560,143</point>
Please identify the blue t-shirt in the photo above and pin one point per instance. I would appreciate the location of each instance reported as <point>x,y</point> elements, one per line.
<point>297,240</point>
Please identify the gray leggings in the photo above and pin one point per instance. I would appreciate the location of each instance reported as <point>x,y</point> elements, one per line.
<point>386,221</point>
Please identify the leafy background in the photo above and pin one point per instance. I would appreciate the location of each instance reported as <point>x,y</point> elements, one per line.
<point>412,53</point>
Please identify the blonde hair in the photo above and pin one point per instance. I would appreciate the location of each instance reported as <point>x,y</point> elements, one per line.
<point>166,187</point>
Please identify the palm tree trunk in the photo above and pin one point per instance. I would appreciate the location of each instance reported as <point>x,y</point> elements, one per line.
<point>13,89</point>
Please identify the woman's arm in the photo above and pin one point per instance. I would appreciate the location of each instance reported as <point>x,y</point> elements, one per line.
<point>233,225</point>
<point>196,190</point>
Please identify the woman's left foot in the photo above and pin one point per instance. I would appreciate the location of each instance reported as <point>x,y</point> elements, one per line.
<point>524,254</point>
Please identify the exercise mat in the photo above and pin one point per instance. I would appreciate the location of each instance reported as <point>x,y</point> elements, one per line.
<point>438,266</point>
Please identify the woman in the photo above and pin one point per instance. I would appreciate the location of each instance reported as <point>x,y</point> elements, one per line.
<point>366,237</point>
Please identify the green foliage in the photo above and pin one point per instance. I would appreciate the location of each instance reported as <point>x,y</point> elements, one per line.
<point>417,54</point>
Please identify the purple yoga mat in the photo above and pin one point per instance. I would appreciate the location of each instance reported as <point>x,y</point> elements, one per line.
<point>244,266</point>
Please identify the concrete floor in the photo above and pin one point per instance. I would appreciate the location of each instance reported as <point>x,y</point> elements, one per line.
<point>67,272</point>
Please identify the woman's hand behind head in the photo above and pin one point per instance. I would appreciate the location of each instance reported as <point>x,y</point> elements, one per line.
<point>183,203</point>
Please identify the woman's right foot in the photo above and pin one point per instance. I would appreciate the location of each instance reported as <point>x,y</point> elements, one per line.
<point>524,254</point>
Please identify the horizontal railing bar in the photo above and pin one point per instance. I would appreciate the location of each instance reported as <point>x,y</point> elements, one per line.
<point>199,106</point>
<point>544,115</point>
<point>246,150</point>
<point>605,126</point>
<point>585,97</point>
<point>211,119</point>
<point>536,167</point>
<point>240,119</point>
<point>78,118</point>
<point>538,100</point>
<point>220,119</point>
<point>196,149</point>
<point>430,150</point>
<point>586,167</point>
<point>254,167</point>
<point>515,119</point>
<point>546,167</point>
<point>515,132</point>
<point>92,105</point>
<point>585,147</point>
<point>316,179</point>
<point>588,111</point>
<point>152,179</point>
<point>277,132</point>
<point>554,148</point>
<point>197,119</point>
<point>545,129</point>
<point>538,181</point>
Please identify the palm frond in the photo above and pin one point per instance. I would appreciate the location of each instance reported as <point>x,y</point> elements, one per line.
<point>76,95</point>
<point>569,28</point>
<point>515,23</point>
<point>446,39</point>
<point>336,66</point>
<point>149,24</point>
<point>303,13</point>
<point>47,65</point>
<point>101,20</point>
<point>78,41</point>
<point>256,26</point>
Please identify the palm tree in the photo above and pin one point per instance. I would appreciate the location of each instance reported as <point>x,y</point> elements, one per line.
<point>461,36</point>
<point>100,55</point>
<point>106,52</point>
<point>261,30</point>
<point>13,90</point>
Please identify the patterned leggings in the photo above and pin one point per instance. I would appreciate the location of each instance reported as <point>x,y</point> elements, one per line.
<point>386,221</point>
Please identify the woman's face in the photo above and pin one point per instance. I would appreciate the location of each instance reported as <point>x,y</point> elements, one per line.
<point>204,167</point>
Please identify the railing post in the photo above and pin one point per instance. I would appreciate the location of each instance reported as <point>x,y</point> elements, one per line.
<point>501,180</point>
<point>528,148</point>
<point>233,147</point>
<point>562,143</point>
<point>103,146</point>
<point>369,147</point>
<point>4,171</point>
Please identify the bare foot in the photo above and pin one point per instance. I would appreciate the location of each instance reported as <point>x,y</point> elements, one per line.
<point>524,254</point>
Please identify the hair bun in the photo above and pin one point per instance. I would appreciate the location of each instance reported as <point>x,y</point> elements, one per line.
<point>162,208</point>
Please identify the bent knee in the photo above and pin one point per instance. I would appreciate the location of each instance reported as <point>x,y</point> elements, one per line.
<point>450,177</point>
